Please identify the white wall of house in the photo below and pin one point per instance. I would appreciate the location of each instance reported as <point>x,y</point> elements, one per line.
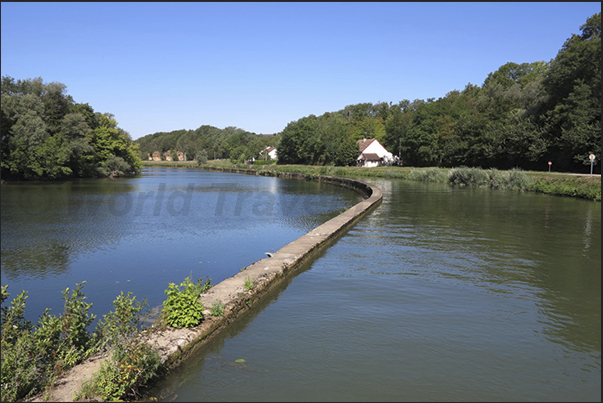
<point>370,164</point>
<point>271,153</point>
<point>376,148</point>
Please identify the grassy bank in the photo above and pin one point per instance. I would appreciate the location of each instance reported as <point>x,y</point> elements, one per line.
<point>554,183</point>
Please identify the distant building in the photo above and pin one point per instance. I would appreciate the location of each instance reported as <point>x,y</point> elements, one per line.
<point>373,154</point>
<point>271,153</point>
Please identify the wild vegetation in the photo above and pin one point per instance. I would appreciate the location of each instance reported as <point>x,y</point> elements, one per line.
<point>34,356</point>
<point>182,307</point>
<point>46,135</point>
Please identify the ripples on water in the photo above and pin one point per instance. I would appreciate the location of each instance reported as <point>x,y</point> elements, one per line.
<point>140,234</point>
<point>440,294</point>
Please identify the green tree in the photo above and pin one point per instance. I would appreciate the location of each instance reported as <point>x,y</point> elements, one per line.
<point>572,112</point>
<point>201,157</point>
<point>45,135</point>
<point>299,143</point>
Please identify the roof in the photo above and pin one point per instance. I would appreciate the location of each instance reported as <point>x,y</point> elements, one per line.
<point>369,157</point>
<point>364,143</point>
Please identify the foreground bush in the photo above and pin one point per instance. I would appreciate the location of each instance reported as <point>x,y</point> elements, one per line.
<point>34,356</point>
<point>131,366</point>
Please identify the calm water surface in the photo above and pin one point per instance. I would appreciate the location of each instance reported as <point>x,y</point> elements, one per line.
<point>440,294</point>
<point>139,234</point>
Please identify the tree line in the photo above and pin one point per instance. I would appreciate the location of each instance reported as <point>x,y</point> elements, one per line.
<point>46,135</point>
<point>207,141</point>
<point>523,115</point>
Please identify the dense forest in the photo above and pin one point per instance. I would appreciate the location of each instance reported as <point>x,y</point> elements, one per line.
<point>46,135</point>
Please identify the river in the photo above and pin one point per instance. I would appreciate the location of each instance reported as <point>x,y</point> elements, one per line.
<point>139,234</point>
<point>439,294</point>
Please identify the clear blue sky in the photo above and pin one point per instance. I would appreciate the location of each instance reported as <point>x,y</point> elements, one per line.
<point>258,66</point>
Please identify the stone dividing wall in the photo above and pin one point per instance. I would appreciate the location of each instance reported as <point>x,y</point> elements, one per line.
<point>175,345</point>
<point>267,274</point>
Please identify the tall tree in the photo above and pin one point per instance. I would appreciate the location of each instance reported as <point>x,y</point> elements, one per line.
<point>572,113</point>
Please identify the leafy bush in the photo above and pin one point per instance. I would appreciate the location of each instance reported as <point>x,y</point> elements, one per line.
<point>32,356</point>
<point>132,365</point>
<point>182,307</point>
<point>122,322</point>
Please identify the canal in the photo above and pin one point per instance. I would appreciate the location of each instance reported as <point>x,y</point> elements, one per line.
<point>139,234</point>
<point>440,294</point>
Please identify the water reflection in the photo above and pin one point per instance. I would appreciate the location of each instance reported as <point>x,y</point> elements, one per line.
<point>440,294</point>
<point>139,234</point>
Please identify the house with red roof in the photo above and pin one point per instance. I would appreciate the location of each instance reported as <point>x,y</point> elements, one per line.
<point>373,154</point>
<point>268,152</point>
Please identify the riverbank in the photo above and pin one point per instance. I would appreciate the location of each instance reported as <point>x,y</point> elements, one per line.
<point>583,186</point>
<point>236,294</point>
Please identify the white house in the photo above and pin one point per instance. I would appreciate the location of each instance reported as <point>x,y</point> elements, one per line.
<point>271,153</point>
<point>372,153</point>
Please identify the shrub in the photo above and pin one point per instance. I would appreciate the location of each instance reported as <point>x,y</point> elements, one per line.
<point>514,179</point>
<point>32,356</point>
<point>132,365</point>
<point>428,175</point>
<point>182,307</point>
<point>120,323</point>
<point>468,177</point>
